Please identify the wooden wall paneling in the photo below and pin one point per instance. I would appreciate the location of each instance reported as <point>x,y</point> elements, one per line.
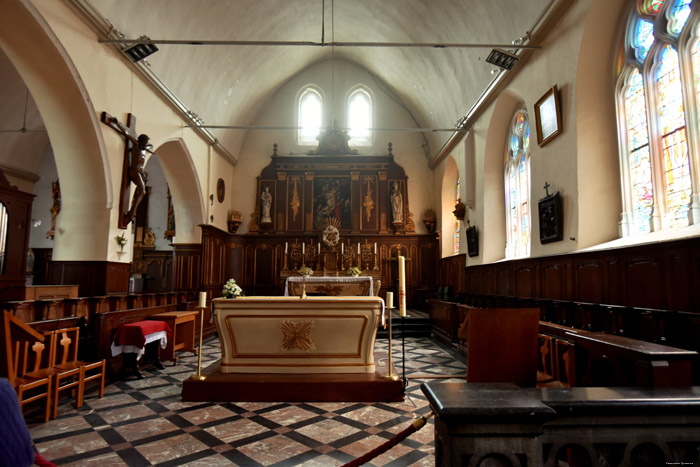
<point>490,279</point>
<point>427,264</point>
<point>553,280</point>
<point>644,280</point>
<point>92,277</point>
<point>117,277</point>
<point>309,180</point>
<point>678,286</point>
<point>187,266</point>
<point>296,201</point>
<point>369,220</point>
<point>505,280</point>
<point>18,207</point>
<point>235,262</point>
<point>383,202</point>
<point>590,280</point>
<point>264,281</point>
<point>525,280</point>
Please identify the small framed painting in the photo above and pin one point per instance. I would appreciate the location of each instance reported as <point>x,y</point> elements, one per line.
<point>472,241</point>
<point>548,116</point>
<point>551,219</point>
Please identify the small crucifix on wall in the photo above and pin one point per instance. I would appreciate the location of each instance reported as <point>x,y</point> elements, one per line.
<point>133,169</point>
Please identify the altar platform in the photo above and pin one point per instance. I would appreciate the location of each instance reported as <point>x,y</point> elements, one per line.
<point>268,387</point>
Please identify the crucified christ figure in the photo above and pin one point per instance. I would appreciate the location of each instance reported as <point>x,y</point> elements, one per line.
<point>136,150</point>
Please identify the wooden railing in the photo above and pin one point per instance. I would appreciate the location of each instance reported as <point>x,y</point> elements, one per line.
<point>500,424</point>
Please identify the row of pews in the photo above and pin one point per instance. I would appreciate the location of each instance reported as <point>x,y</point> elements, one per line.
<point>98,317</point>
<point>582,344</point>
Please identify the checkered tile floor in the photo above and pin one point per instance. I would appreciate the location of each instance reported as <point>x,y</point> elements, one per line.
<point>144,422</point>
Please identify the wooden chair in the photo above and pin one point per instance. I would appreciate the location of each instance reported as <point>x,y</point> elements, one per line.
<point>69,371</point>
<point>27,363</point>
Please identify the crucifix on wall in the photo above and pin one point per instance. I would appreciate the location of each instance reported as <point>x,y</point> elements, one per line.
<point>135,150</point>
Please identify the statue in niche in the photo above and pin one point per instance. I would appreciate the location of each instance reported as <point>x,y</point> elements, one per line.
<point>266,202</point>
<point>396,202</point>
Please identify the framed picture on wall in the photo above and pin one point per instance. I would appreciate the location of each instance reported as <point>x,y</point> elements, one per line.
<point>548,116</point>
<point>551,219</point>
<point>472,241</point>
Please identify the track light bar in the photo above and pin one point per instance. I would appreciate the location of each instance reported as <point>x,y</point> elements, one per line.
<point>435,45</point>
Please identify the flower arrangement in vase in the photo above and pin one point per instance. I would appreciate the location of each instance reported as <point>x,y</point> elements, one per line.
<point>306,271</point>
<point>354,271</point>
<point>232,290</point>
<point>121,241</point>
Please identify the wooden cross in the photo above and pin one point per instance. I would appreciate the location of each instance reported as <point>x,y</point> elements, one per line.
<point>546,188</point>
<point>131,138</point>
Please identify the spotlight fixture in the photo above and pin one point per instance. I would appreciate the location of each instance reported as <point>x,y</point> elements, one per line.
<point>138,52</point>
<point>502,59</point>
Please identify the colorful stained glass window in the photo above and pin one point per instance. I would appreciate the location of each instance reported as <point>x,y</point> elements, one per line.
<point>651,7</point>
<point>671,117</point>
<point>678,16</point>
<point>517,183</point>
<point>639,156</point>
<point>643,38</point>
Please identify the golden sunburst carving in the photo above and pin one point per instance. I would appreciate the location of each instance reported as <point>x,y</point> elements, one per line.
<point>297,335</point>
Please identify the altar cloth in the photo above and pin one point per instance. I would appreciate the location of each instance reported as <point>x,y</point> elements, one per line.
<point>331,285</point>
<point>133,337</point>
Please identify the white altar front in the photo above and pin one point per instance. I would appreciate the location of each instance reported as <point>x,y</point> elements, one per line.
<point>330,285</point>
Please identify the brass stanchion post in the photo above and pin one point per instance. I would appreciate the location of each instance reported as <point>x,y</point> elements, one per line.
<point>198,376</point>
<point>390,376</point>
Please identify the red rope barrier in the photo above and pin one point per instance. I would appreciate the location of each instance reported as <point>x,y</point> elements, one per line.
<point>416,425</point>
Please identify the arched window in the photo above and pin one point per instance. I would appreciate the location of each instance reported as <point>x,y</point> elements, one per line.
<point>360,118</point>
<point>658,89</point>
<point>310,116</point>
<point>517,184</point>
<point>458,226</point>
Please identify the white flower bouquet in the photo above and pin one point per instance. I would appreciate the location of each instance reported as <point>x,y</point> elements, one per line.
<point>306,271</point>
<point>232,290</point>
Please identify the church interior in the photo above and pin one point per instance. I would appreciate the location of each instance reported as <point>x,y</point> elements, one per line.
<point>278,233</point>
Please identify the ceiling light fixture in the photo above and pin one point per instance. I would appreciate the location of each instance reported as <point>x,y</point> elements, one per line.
<point>140,50</point>
<point>502,59</point>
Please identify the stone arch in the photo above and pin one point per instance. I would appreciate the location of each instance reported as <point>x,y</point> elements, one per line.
<point>72,127</point>
<point>185,189</point>
<point>599,197</point>
<point>494,229</point>
<point>447,197</point>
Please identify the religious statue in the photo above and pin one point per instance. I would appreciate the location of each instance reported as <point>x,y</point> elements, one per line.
<point>266,201</point>
<point>55,208</point>
<point>396,202</point>
<point>136,152</point>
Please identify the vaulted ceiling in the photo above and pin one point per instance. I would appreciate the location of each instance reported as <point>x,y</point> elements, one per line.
<point>230,84</point>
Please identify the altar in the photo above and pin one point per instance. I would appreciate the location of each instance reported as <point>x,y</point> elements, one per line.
<point>293,349</point>
<point>330,285</point>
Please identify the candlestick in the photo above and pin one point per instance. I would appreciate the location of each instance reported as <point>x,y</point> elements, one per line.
<point>202,299</point>
<point>375,248</point>
<point>402,285</point>
<point>285,248</point>
<point>303,248</point>
<point>358,248</point>
<point>319,248</point>
<point>342,248</point>
<point>390,300</point>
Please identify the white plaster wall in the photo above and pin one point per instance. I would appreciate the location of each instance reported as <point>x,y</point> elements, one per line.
<point>43,201</point>
<point>114,87</point>
<point>388,113</point>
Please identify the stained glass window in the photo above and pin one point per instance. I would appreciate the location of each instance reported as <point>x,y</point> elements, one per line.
<point>310,115</point>
<point>678,16</point>
<point>359,118</point>
<point>458,226</point>
<point>658,173</point>
<point>643,38</point>
<point>673,136</point>
<point>517,183</point>
<point>639,157</point>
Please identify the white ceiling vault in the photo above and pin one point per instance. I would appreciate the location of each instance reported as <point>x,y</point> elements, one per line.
<point>228,85</point>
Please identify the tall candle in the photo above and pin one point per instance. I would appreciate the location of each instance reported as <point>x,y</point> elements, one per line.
<point>202,299</point>
<point>342,248</point>
<point>319,248</point>
<point>303,248</point>
<point>285,248</point>
<point>390,299</point>
<point>358,248</point>
<point>402,285</point>
<point>375,248</point>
